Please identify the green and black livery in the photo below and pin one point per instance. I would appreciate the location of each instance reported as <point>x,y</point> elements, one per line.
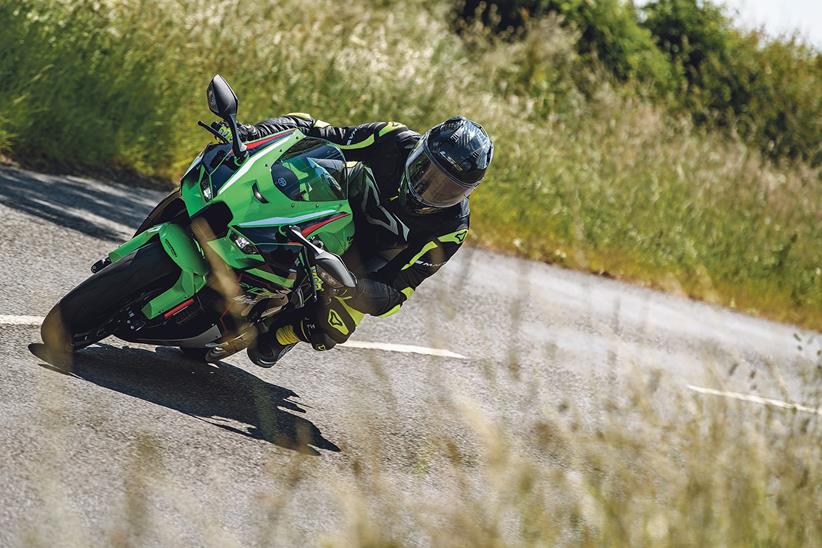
<point>272,213</point>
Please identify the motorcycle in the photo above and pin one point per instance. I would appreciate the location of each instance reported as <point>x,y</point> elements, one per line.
<point>252,236</point>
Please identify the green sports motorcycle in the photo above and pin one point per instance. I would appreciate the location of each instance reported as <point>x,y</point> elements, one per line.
<point>252,236</point>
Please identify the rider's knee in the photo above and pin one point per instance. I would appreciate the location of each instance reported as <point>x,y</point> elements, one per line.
<point>321,336</point>
<point>336,322</point>
<point>327,326</point>
<point>322,341</point>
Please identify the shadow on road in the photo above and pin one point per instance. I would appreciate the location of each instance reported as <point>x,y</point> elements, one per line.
<point>241,402</point>
<point>64,202</point>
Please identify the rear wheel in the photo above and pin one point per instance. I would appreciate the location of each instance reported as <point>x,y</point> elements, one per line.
<point>87,313</point>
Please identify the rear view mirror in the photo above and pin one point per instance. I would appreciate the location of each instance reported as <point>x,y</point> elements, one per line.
<point>223,102</point>
<point>221,98</point>
<point>335,268</point>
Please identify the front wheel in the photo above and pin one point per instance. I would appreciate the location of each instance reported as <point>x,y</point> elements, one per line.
<point>87,313</point>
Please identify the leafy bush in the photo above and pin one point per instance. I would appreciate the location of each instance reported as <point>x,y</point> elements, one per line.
<point>608,32</point>
<point>691,58</point>
<point>768,90</point>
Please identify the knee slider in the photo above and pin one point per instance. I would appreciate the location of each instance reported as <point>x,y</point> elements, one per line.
<point>321,341</point>
<point>317,335</point>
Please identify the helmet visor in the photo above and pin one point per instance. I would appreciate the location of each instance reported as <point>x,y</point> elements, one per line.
<point>429,184</point>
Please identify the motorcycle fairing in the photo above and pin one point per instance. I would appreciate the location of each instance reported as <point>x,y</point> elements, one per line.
<point>184,251</point>
<point>256,209</point>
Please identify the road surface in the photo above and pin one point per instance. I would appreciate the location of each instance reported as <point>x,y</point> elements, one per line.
<point>139,444</point>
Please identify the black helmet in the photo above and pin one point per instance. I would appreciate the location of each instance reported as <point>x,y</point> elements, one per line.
<point>447,164</point>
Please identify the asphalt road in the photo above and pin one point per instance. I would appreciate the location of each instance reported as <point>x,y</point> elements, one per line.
<point>139,444</point>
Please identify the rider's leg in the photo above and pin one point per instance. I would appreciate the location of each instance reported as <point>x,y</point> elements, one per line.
<point>324,327</point>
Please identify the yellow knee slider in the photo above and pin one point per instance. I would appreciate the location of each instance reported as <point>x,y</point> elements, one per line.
<point>285,335</point>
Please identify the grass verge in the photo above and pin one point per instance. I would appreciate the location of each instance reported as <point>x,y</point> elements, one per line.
<point>689,472</point>
<point>605,183</point>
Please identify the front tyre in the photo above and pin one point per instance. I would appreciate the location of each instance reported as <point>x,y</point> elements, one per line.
<point>87,313</point>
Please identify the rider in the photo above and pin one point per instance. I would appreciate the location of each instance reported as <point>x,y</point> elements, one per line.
<point>412,207</point>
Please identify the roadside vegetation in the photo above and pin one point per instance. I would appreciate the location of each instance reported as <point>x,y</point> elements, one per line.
<point>629,158</point>
<point>712,473</point>
<point>662,147</point>
<point>644,463</point>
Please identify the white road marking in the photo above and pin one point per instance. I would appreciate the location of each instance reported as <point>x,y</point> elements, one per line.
<point>408,348</point>
<point>21,320</point>
<point>387,347</point>
<point>755,399</point>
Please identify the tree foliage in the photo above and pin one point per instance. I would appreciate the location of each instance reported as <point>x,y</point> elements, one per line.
<point>770,91</point>
<point>689,56</point>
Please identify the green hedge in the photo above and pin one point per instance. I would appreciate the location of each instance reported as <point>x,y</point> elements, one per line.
<point>688,56</point>
<point>770,91</point>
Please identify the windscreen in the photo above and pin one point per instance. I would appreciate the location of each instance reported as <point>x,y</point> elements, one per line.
<point>311,171</point>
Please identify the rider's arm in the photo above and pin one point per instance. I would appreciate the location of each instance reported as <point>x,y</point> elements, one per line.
<point>346,137</point>
<point>383,292</point>
<point>382,146</point>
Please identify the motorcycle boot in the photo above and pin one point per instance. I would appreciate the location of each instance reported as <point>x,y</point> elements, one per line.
<point>269,347</point>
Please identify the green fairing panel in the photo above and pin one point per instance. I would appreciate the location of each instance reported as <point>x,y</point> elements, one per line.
<point>186,286</point>
<point>190,190</point>
<point>228,251</point>
<point>318,195</point>
<point>312,199</point>
<point>271,277</point>
<point>337,235</point>
<point>236,191</point>
<point>179,245</point>
<point>134,244</point>
<point>184,251</point>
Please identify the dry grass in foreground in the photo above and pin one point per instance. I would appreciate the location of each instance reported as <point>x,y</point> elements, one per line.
<point>701,472</point>
<point>650,465</point>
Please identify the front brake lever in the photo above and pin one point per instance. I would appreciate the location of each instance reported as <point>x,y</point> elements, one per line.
<point>213,131</point>
<point>329,262</point>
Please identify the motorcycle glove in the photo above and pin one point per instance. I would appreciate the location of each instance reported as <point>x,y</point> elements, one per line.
<point>245,132</point>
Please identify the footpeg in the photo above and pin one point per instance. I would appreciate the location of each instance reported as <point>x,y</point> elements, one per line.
<point>220,350</point>
<point>136,322</point>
